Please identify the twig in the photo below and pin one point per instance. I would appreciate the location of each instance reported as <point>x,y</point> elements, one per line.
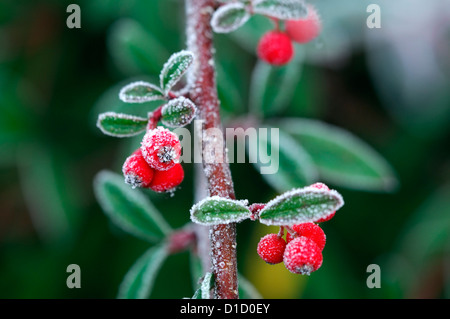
<point>203,92</point>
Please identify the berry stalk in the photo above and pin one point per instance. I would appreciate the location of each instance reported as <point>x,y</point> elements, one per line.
<point>203,92</point>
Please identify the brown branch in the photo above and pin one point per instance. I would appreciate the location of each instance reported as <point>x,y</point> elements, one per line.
<point>203,93</point>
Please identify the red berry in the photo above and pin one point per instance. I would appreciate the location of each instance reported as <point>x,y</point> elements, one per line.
<point>161,148</point>
<point>167,180</point>
<point>302,256</point>
<point>320,186</point>
<point>305,29</point>
<point>321,220</point>
<point>324,187</point>
<point>275,48</point>
<point>310,230</point>
<point>136,170</point>
<point>271,248</point>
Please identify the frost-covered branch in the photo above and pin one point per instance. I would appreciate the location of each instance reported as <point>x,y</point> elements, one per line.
<point>203,92</point>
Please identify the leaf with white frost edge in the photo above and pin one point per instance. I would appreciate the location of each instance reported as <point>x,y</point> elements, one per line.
<point>229,17</point>
<point>140,92</point>
<point>174,69</point>
<point>302,205</point>
<point>138,282</point>
<point>217,210</point>
<point>281,9</point>
<point>128,208</point>
<point>121,125</point>
<point>178,112</point>
<point>204,291</point>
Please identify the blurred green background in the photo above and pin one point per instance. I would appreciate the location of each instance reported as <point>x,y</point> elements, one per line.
<point>389,86</point>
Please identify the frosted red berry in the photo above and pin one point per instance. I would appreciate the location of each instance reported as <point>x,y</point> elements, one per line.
<point>271,248</point>
<point>167,180</point>
<point>324,187</point>
<point>305,29</point>
<point>275,48</point>
<point>161,148</point>
<point>136,170</point>
<point>302,256</point>
<point>310,230</point>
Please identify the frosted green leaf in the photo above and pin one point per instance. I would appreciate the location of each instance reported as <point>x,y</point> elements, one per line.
<point>341,157</point>
<point>138,282</point>
<point>121,125</point>
<point>217,210</point>
<point>281,9</point>
<point>178,112</point>
<point>229,17</point>
<point>174,69</point>
<point>301,206</point>
<point>128,208</point>
<point>204,291</point>
<point>140,92</point>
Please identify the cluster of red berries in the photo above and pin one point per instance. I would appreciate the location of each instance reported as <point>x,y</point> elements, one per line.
<point>155,164</point>
<point>301,251</point>
<point>276,48</point>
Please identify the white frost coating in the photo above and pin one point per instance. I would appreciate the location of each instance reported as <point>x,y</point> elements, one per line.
<point>212,220</point>
<point>206,285</point>
<point>322,211</point>
<point>179,105</point>
<point>140,92</point>
<point>281,9</point>
<point>229,17</point>
<point>121,116</point>
<point>170,76</point>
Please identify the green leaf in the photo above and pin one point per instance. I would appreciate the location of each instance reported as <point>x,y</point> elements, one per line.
<point>272,88</point>
<point>121,125</point>
<point>204,291</point>
<point>134,50</point>
<point>178,112</point>
<point>140,92</point>
<point>301,206</point>
<point>174,69</point>
<point>51,193</point>
<point>422,244</point>
<point>138,282</point>
<point>427,232</point>
<point>281,9</point>
<point>128,208</point>
<point>229,17</point>
<point>341,157</point>
<point>217,210</point>
<point>281,161</point>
